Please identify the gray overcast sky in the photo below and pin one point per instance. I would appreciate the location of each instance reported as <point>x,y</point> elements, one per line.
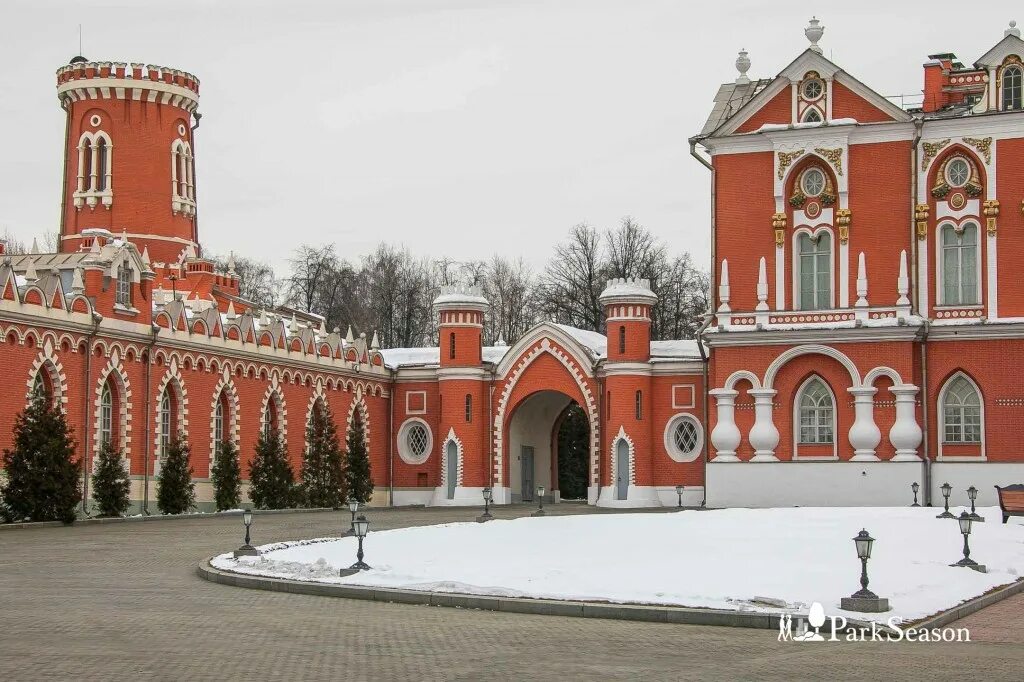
<point>455,127</point>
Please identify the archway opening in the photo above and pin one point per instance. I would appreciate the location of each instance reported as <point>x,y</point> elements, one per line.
<point>548,445</point>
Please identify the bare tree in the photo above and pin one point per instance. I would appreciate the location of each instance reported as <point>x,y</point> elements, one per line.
<point>15,246</point>
<point>574,279</point>
<point>312,267</point>
<point>509,287</point>
<point>634,252</point>
<point>256,280</point>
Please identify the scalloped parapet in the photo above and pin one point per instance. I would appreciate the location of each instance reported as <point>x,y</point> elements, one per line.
<point>82,80</point>
<point>631,290</point>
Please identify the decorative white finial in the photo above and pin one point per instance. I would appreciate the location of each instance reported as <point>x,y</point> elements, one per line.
<point>231,263</point>
<point>30,271</point>
<point>862,283</point>
<point>1013,30</point>
<point>349,338</point>
<point>375,343</point>
<point>231,310</point>
<point>814,31</point>
<point>723,288</point>
<point>903,287</point>
<point>145,256</point>
<point>35,246</point>
<point>742,65</point>
<point>77,282</point>
<point>762,286</point>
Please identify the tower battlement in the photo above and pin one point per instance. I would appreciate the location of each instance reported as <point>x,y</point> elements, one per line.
<point>89,80</point>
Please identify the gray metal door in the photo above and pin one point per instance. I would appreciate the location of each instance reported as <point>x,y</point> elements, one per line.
<point>621,469</point>
<point>526,469</point>
<point>453,468</point>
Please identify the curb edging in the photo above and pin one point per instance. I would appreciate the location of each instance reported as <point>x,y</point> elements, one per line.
<point>971,606</point>
<point>23,525</point>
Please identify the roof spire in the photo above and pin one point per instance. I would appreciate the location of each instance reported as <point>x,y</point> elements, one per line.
<point>814,31</point>
<point>742,65</point>
<point>30,271</point>
<point>1013,30</point>
<point>77,283</point>
<point>35,246</point>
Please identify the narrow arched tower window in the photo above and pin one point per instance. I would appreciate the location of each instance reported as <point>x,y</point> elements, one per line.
<point>451,345</point>
<point>622,340</point>
<point>101,165</point>
<point>165,422</point>
<point>639,405</point>
<point>106,414</point>
<point>469,407</point>
<point>218,426</point>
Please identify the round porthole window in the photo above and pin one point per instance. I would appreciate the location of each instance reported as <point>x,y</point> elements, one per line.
<point>813,89</point>
<point>958,172</point>
<point>415,441</point>
<point>95,120</point>
<point>181,129</point>
<point>684,438</point>
<point>813,182</point>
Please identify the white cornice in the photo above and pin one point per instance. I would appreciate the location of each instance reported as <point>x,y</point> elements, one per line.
<point>771,338</point>
<point>462,373</point>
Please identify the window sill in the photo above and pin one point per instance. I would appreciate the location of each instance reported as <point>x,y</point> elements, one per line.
<point>968,306</point>
<point>124,310</point>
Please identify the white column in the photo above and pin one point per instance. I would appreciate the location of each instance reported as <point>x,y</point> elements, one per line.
<point>844,275</point>
<point>905,435</point>
<point>991,270</point>
<point>780,277</point>
<point>864,433</point>
<point>725,437</point>
<point>764,437</point>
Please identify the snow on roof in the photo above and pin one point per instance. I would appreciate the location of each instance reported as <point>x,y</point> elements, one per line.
<point>460,294</point>
<point>595,342</point>
<point>681,348</point>
<point>627,288</point>
<point>431,356</point>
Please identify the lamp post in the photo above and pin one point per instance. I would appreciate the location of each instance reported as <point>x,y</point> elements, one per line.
<point>972,493</point>
<point>915,486</point>
<point>540,502</point>
<point>486,516</point>
<point>679,492</point>
<point>965,528</point>
<point>360,527</point>
<point>946,490</point>
<point>353,507</point>
<point>864,600</point>
<point>247,549</point>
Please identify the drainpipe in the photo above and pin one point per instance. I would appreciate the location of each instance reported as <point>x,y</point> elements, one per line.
<point>711,297</point>
<point>195,191</point>
<point>490,429</point>
<point>64,192</point>
<point>924,415</point>
<point>96,319</point>
<point>391,442</point>
<point>918,126</point>
<point>704,402</point>
<point>155,329</point>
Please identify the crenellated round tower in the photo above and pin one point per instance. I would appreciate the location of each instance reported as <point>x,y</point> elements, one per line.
<point>129,155</point>
<point>627,306</point>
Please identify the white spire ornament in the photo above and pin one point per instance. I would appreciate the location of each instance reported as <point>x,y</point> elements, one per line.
<point>814,31</point>
<point>862,288</point>
<point>903,288</point>
<point>1013,30</point>
<point>742,65</point>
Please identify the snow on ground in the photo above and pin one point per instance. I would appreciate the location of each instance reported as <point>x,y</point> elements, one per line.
<point>716,559</point>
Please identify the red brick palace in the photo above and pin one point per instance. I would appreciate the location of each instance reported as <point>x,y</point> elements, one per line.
<point>866,327</point>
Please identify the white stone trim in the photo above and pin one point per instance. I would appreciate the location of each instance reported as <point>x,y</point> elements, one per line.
<point>274,393</point>
<point>631,474</point>
<point>114,368</point>
<point>231,424</point>
<point>359,403</point>
<point>669,438</point>
<point>47,361</point>
<point>940,436</point>
<point>460,453</point>
<point>810,349</point>
<point>172,375</point>
<point>939,286</point>
<point>693,397</point>
<point>797,397</point>
<point>795,244</point>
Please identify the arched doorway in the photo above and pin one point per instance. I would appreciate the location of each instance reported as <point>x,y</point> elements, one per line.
<point>543,426</point>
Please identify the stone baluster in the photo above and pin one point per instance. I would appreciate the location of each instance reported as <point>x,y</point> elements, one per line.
<point>905,435</point>
<point>864,433</point>
<point>764,437</point>
<point>725,437</point>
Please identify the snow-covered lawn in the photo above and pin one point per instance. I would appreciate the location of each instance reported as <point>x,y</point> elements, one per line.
<point>718,559</point>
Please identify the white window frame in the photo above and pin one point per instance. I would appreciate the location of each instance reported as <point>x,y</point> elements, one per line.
<point>1020,85</point>
<point>796,267</point>
<point>404,452</point>
<point>797,400</point>
<point>88,190</point>
<point>123,283</point>
<point>941,409</point>
<point>218,426</point>
<point>676,454</point>
<point>165,414</point>
<point>805,118</point>
<point>107,414</point>
<point>946,174</point>
<point>940,288</point>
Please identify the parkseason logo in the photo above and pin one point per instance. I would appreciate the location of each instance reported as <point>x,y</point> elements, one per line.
<point>812,628</point>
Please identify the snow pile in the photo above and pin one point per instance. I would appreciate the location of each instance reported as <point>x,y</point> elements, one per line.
<point>717,559</point>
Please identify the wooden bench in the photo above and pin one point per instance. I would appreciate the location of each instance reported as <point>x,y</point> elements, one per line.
<point>1011,500</point>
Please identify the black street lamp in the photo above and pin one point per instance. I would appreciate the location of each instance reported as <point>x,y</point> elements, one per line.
<point>353,507</point>
<point>915,486</point>
<point>486,516</point>
<point>946,490</point>
<point>864,600</point>
<point>540,502</point>
<point>972,493</point>
<point>247,549</point>
<point>965,528</point>
<point>679,492</point>
<point>360,527</point>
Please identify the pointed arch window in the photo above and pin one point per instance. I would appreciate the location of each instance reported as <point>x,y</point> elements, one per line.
<point>41,387</point>
<point>451,345</point>
<point>816,414</point>
<point>622,339</point>
<point>106,414</point>
<point>219,413</point>
<point>101,165</point>
<point>1013,79</point>
<point>123,295</point>
<point>812,116</point>
<point>166,408</point>
<point>270,418</point>
<point>959,264</point>
<point>814,263</point>
<point>961,412</point>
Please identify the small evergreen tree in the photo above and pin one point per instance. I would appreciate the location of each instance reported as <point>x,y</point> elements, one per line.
<point>323,478</point>
<point>175,491</point>
<point>357,469</point>
<point>42,469</point>
<point>227,478</point>
<point>110,484</point>
<point>270,474</point>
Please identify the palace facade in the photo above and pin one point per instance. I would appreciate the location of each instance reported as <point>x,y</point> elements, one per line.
<point>866,329</point>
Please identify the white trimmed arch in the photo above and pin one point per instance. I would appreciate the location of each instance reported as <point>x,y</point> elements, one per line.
<point>114,370</point>
<point>358,403</point>
<point>451,438</point>
<point>811,349</point>
<point>172,379</point>
<point>274,393</point>
<point>881,371</point>
<point>47,361</point>
<point>231,426</point>
<point>622,436</point>
<point>740,375</point>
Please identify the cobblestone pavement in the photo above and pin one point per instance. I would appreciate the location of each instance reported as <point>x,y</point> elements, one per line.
<point>122,601</point>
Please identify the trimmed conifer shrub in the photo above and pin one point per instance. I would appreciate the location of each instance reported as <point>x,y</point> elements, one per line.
<point>175,491</point>
<point>357,469</point>
<point>270,474</point>
<point>110,483</point>
<point>226,475</point>
<point>323,479</point>
<point>42,468</point>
